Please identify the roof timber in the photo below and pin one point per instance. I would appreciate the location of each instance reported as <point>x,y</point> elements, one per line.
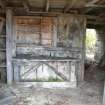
<point>68,6</point>
<point>50,8</point>
<point>93,2</point>
<point>92,5</point>
<point>64,14</point>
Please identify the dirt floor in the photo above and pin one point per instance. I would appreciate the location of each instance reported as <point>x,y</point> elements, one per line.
<point>87,93</point>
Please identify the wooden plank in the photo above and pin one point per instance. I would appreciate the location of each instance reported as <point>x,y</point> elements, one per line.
<point>73,72</point>
<point>92,2</point>
<point>83,52</point>
<point>55,24</point>
<point>2,36</point>
<point>56,72</point>
<point>32,68</point>
<point>104,95</point>
<point>47,5</point>
<point>16,72</point>
<point>1,25</point>
<point>9,45</point>
<point>55,14</point>
<point>14,37</point>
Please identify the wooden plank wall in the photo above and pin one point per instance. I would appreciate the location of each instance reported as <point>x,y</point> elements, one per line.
<point>64,32</point>
<point>34,30</point>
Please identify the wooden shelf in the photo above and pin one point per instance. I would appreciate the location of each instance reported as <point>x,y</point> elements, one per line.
<point>2,36</point>
<point>25,57</point>
<point>2,49</point>
<point>3,66</point>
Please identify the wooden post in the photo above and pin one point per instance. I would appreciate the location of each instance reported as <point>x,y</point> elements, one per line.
<point>1,25</point>
<point>104,95</point>
<point>55,32</point>
<point>9,45</point>
<point>14,37</point>
<point>16,72</point>
<point>83,51</point>
<point>73,72</point>
<point>82,62</point>
<point>69,69</point>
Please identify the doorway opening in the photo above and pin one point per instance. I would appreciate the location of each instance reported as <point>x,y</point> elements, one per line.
<point>91,38</point>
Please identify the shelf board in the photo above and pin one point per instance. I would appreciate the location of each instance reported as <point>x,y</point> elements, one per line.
<point>3,66</point>
<point>2,49</point>
<point>2,36</point>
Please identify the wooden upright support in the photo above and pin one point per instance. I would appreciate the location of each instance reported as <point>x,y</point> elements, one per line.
<point>9,44</point>
<point>104,95</point>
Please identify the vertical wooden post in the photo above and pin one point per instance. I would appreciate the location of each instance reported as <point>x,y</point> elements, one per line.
<point>1,25</point>
<point>73,72</point>
<point>104,95</point>
<point>9,45</point>
<point>69,69</point>
<point>73,78</point>
<point>83,50</point>
<point>16,72</point>
<point>82,63</point>
<point>14,37</point>
<point>55,32</point>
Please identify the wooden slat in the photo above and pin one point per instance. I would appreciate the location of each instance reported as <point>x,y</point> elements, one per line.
<point>56,72</point>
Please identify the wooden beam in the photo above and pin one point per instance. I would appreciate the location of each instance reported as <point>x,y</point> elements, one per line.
<point>9,45</point>
<point>93,2</point>
<point>56,72</point>
<point>69,5</point>
<point>96,6</point>
<point>91,6</point>
<point>55,31</point>
<point>96,22</point>
<point>64,14</point>
<point>47,5</point>
<point>83,51</point>
<point>32,69</point>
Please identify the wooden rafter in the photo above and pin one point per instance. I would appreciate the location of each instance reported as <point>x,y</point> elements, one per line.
<point>69,5</point>
<point>93,2</point>
<point>89,4</point>
<point>94,5</point>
